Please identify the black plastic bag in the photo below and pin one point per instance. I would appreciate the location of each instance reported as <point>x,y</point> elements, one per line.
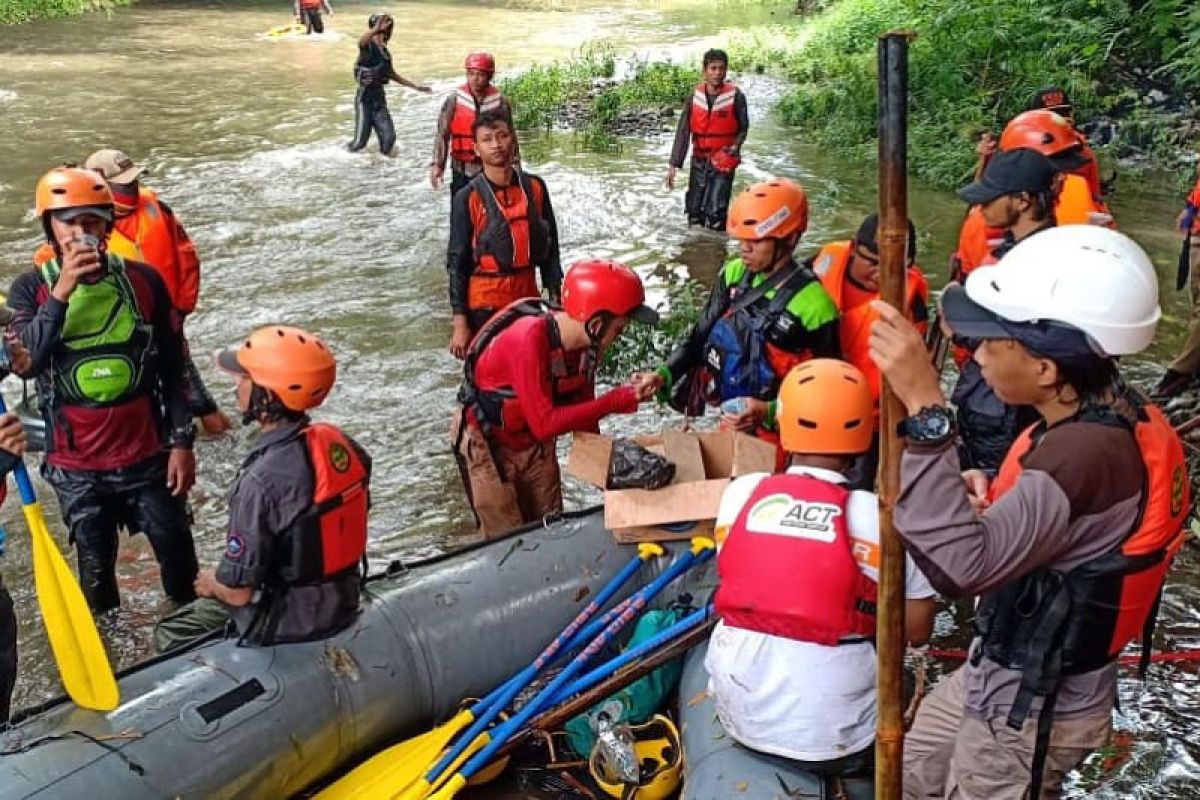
<point>634,467</point>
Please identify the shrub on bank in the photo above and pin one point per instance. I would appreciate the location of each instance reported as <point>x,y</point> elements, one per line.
<point>14,11</point>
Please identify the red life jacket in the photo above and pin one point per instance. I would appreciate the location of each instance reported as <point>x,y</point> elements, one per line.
<point>462,135</point>
<point>1080,620</point>
<point>787,567</point>
<point>330,538</point>
<point>716,126</point>
<point>511,241</point>
<point>854,324</point>
<point>498,406</point>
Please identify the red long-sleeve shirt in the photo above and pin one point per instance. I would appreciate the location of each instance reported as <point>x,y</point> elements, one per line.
<point>519,358</point>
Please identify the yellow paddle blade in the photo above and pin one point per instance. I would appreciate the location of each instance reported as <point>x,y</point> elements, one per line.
<point>452,787</point>
<point>82,662</point>
<point>393,770</point>
<point>424,789</point>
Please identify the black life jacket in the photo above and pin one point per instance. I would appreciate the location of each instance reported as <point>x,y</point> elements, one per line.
<point>513,241</point>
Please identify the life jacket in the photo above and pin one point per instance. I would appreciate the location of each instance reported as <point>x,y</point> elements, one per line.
<point>164,245</point>
<point>713,127</point>
<point>1193,201</point>
<point>510,243</point>
<point>854,324</point>
<point>462,134</point>
<point>329,538</point>
<point>740,360</point>
<point>787,567</point>
<point>976,241</point>
<point>118,245</point>
<point>1090,171</point>
<point>1075,203</point>
<point>1051,623</point>
<point>107,349</point>
<point>310,4</point>
<point>499,407</point>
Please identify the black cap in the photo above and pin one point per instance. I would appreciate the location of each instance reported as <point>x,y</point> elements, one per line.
<point>1011,172</point>
<point>970,320</point>
<point>1051,97</point>
<point>1069,160</point>
<point>868,234</point>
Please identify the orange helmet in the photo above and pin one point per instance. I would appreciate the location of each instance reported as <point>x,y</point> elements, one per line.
<point>825,406</point>
<point>292,363</point>
<point>72,187</point>
<point>1046,132</point>
<point>773,209</point>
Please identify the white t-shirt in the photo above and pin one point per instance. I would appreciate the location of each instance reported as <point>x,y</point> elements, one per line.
<point>801,700</point>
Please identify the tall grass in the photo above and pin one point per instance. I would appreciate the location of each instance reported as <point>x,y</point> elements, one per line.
<point>14,11</point>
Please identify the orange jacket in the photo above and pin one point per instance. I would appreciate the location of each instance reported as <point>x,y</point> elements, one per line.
<point>716,127</point>
<point>164,245</point>
<point>854,323</point>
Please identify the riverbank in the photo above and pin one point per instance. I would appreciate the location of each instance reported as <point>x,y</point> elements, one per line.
<point>16,11</point>
<point>1129,71</point>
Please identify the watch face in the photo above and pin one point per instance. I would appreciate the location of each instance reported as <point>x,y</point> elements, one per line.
<point>935,423</point>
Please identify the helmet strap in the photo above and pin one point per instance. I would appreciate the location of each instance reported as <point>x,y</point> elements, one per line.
<point>263,403</point>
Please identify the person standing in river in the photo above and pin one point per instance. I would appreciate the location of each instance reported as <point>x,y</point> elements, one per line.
<point>107,349</point>
<point>372,71</point>
<point>308,14</point>
<point>455,135</point>
<point>502,227</point>
<point>714,122</point>
<point>1181,373</point>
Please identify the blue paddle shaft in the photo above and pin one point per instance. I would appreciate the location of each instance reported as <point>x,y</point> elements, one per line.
<point>24,485</point>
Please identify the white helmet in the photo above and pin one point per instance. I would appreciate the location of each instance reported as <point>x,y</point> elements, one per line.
<point>1089,278</point>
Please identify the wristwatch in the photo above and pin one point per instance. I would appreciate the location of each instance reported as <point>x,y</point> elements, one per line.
<point>930,425</point>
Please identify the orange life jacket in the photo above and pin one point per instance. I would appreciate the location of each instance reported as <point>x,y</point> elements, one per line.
<point>854,324</point>
<point>508,241</point>
<point>1092,611</point>
<point>466,108</point>
<point>1090,171</point>
<point>1193,200</point>
<point>164,245</point>
<point>976,241</point>
<point>716,126</point>
<point>310,4</point>
<point>330,538</point>
<point>787,568</point>
<point>1075,203</point>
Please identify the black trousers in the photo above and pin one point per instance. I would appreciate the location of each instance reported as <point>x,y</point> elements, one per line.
<point>371,114</point>
<point>707,198</point>
<point>8,652</point>
<point>95,504</point>
<point>457,181</point>
<point>311,17</point>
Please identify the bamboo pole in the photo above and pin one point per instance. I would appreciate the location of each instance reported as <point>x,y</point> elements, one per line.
<point>893,234</point>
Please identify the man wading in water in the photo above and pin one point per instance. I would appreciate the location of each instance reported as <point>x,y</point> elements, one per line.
<point>372,71</point>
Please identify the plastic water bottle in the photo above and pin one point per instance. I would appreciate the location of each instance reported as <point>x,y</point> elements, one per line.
<point>729,409</point>
<point>617,760</point>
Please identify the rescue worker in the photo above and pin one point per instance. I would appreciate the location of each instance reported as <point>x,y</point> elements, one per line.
<point>308,14</point>
<point>158,239</point>
<point>765,315</point>
<point>1068,546</point>
<point>1052,136</point>
<point>455,137</point>
<point>529,377</point>
<point>372,71</point>
<point>1015,195</point>
<point>107,350</point>
<point>792,662</point>
<point>1055,99</point>
<point>715,122</point>
<point>849,271</point>
<point>297,539</point>
<point>502,227</point>
<point>12,447</point>
<point>1181,374</point>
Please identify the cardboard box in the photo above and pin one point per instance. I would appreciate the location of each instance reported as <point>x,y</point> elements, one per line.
<point>705,463</point>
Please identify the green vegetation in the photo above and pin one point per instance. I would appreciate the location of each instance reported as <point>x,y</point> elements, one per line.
<point>545,95</point>
<point>974,65</point>
<point>14,11</point>
<point>644,347</point>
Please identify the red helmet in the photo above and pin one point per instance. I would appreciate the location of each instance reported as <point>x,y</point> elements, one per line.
<point>482,62</point>
<point>601,286</point>
<point>1048,133</point>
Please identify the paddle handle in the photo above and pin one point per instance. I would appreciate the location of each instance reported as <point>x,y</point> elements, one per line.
<point>24,485</point>
<point>637,603</point>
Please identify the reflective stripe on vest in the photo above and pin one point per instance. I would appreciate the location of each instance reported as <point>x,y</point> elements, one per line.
<point>105,346</point>
<point>1112,595</point>
<point>854,324</point>
<point>330,538</point>
<point>513,238</point>
<point>495,406</point>
<point>787,567</point>
<point>462,135</point>
<point>716,126</point>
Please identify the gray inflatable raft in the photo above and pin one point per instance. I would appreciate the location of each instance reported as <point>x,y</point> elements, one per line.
<point>223,721</point>
<point>718,768</point>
